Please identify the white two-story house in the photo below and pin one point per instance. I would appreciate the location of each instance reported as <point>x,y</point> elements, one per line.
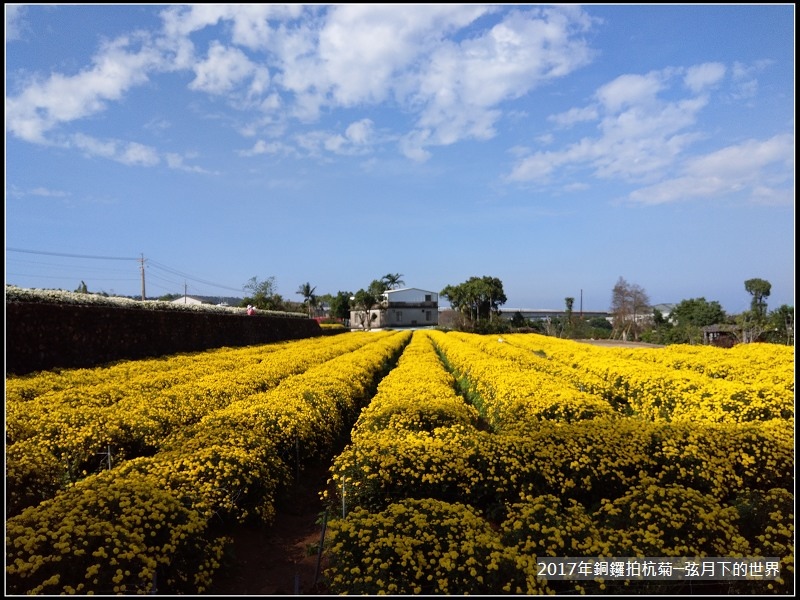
<point>406,307</point>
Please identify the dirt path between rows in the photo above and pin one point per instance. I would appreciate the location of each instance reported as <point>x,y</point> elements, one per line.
<point>281,559</point>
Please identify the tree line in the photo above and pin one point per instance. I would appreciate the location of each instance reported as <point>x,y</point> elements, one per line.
<point>632,317</point>
<point>477,302</point>
<point>476,305</point>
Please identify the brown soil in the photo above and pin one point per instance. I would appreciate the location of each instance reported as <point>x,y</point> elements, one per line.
<point>281,559</point>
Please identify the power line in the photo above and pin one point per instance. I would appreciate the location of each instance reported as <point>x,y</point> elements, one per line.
<point>71,255</point>
<point>62,277</point>
<point>150,262</point>
<point>185,276</point>
<point>60,265</point>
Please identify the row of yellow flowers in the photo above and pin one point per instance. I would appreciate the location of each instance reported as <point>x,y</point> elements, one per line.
<point>753,364</point>
<point>434,501</point>
<point>516,394</point>
<point>126,410</point>
<point>148,524</point>
<point>651,390</point>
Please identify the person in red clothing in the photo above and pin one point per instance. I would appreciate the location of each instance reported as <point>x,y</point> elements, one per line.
<point>251,310</point>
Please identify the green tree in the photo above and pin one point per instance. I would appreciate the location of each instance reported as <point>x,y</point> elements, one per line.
<point>477,299</point>
<point>781,325</point>
<point>82,289</point>
<point>393,280</point>
<point>340,305</point>
<point>688,319</point>
<point>518,320</point>
<point>754,322</point>
<point>362,304</point>
<point>760,290</point>
<point>262,294</point>
<point>378,287</point>
<point>566,328</point>
<point>599,328</point>
<point>698,312</point>
<point>309,299</point>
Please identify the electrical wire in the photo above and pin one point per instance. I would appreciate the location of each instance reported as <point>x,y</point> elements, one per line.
<point>146,262</point>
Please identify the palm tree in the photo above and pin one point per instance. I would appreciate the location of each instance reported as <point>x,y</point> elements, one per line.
<point>393,281</point>
<point>307,292</point>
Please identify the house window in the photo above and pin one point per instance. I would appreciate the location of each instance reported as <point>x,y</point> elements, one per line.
<point>427,315</point>
<point>399,315</point>
<point>427,297</point>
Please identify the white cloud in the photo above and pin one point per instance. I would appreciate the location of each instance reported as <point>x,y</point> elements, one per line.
<point>744,78</point>
<point>128,153</point>
<point>412,145</point>
<point>630,90</point>
<point>356,55</point>
<point>760,169</point>
<point>94,147</point>
<point>463,84</point>
<point>357,138</point>
<point>176,161</point>
<point>46,103</point>
<point>137,154</point>
<point>250,22</point>
<point>181,21</point>
<point>450,80</point>
<point>700,77</point>
<point>223,69</point>
<point>263,147</point>
<point>362,48</point>
<point>537,167</point>
<point>15,21</point>
<point>574,115</point>
<point>640,135</point>
<point>42,192</point>
<point>747,157</point>
<point>361,132</point>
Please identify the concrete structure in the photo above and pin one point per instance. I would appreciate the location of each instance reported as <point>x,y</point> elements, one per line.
<point>406,307</point>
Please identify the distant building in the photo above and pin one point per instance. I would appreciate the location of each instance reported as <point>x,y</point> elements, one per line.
<point>664,309</point>
<point>187,300</point>
<point>216,300</point>
<point>543,314</point>
<point>406,307</point>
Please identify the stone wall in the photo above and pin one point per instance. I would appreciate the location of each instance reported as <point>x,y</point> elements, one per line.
<point>42,336</point>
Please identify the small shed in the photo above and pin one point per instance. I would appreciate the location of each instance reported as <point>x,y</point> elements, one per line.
<point>724,336</point>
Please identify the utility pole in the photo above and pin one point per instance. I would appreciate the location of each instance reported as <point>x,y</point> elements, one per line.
<point>581,305</point>
<point>142,267</point>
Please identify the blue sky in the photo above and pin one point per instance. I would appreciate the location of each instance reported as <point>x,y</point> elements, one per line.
<point>556,147</point>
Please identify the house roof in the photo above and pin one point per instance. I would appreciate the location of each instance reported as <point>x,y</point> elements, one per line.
<point>405,289</point>
<point>664,308</point>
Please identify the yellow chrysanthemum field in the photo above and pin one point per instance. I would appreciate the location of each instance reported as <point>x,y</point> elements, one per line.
<point>458,463</point>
